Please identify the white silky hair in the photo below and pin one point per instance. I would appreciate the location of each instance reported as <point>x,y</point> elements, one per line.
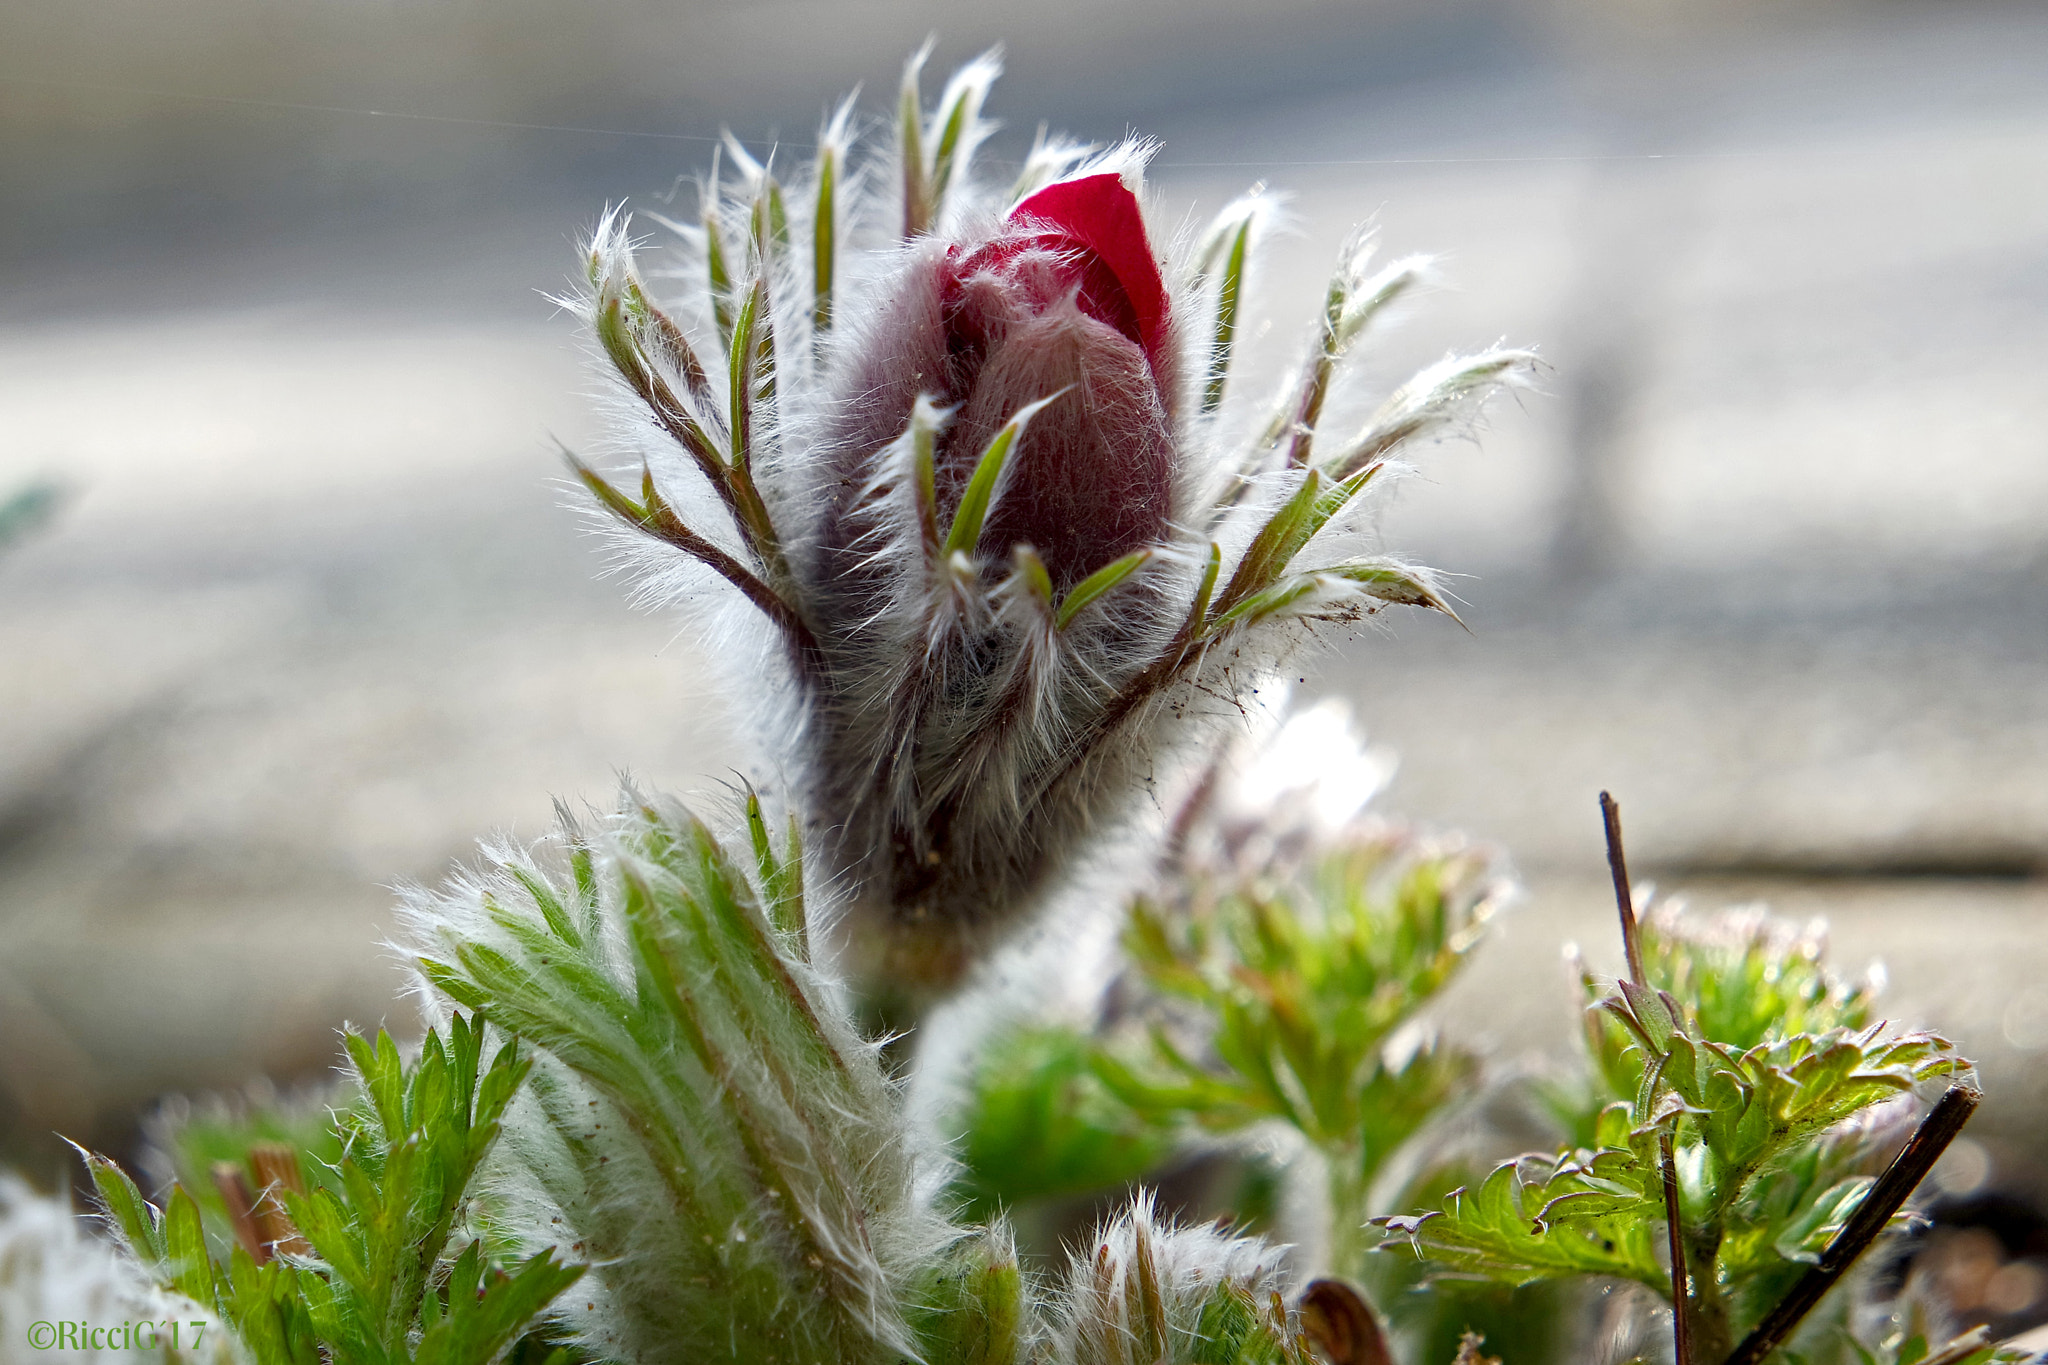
<point>1136,1294</point>
<point>955,752</point>
<point>766,1183</point>
<point>52,1271</point>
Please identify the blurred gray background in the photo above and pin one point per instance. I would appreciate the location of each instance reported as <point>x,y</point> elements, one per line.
<point>1767,555</point>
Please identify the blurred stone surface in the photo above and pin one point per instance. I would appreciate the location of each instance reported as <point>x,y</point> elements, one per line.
<point>1767,557</point>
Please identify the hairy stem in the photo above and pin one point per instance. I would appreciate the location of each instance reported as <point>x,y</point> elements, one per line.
<point>1350,1244</point>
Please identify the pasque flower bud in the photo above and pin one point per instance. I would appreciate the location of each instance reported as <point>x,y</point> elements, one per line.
<point>964,453</point>
<point>1063,301</point>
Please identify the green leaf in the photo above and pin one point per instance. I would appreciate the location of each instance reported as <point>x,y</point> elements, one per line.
<point>1038,1121</point>
<point>135,1218</point>
<point>825,225</point>
<point>326,1220</point>
<point>617,503</point>
<point>488,1309</point>
<point>1035,578</point>
<point>549,904</point>
<point>719,273</point>
<point>451,982</point>
<point>965,532</point>
<point>1103,580</point>
<point>1223,335</point>
<point>970,1309</point>
<point>1367,299</point>
<point>1805,1235</point>
<point>1520,1226</point>
<point>1430,401</point>
<point>952,119</point>
<point>1198,622</point>
<point>186,1258</point>
<point>923,435</point>
<point>743,359</point>
<point>917,190</point>
<point>1290,528</point>
<point>1389,581</point>
<point>1261,606</point>
<point>777,217</point>
<point>1275,543</point>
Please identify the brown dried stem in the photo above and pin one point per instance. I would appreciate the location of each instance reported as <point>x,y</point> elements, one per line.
<point>1890,1192</point>
<point>277,1170</point>
<point>1624,898</point>
<point>1674,1223</point>
<point>1674,1229</point>
<point>241,1207</point>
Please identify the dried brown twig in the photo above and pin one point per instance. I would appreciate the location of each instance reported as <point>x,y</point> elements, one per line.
<point>1631,938</point>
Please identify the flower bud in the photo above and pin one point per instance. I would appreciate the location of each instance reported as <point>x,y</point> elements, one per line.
<point>950,468</point>
<point>1063,301</point>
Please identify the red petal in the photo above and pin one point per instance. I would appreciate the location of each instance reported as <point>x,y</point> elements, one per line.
<point>1099,213</point>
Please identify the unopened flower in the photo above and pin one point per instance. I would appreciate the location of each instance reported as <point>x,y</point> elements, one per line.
<point>1060,312</point>
<point>1144,1293</point>
<point>968,451</point>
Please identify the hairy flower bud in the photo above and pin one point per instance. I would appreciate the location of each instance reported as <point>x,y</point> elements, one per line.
<point>955,466</point>
<point>1064,301</point>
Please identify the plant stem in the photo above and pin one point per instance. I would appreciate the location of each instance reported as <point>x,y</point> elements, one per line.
<point>1350,1245</point>
<point>1617,865</point>
<point>1681,1335</point>
<point>1674,1224</point>
<point>1899,1181</point>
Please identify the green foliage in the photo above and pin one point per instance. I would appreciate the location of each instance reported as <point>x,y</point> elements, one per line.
<point>690,1110</point>
<point>412,1148</point>
<point>1912,1348</point>
<point>370,1266</point>
<point>1040,1123</point>
<point>1285,993</point>
<point>706,1125</point>
<point>1540,1217</point>
<point>1306,980</point>
<point>195,1147</point>
<point>1766,1075</point>
<point>1301,979</point>
<point>1746,979</point>
<point>971,1308</point>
